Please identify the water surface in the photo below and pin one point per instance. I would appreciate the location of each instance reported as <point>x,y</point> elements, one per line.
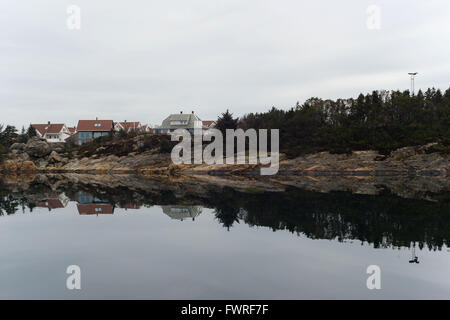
<point>222,245</point>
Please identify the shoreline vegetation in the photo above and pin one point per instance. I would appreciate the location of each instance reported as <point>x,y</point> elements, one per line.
<point>382,133</point>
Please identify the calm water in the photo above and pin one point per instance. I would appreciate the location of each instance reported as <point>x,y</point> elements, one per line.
<point>231,245</point>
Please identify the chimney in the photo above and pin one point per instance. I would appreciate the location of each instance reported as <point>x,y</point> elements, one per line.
<point>192,112</point>
<point>181,112</point>
<point>96,118</point>
<point>48,122</point>
<point>125,121</point>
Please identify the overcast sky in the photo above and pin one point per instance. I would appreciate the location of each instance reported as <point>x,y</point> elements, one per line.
<point>141,60</point>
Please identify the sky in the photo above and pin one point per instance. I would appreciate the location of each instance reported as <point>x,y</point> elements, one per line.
<point>142,60</point>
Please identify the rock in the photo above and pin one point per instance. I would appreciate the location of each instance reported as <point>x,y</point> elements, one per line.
<point>18,146</point>
<point>57,146</point>
<point>427,148</point>
<point>37,147</point>
<point>23,157</point>
<point>28,166</point>
<point>403,153</point>
<point>15,166</point>
<point>54,157</point>
<point>42,164</point>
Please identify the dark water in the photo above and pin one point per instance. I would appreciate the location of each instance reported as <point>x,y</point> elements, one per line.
<point>226,244</point>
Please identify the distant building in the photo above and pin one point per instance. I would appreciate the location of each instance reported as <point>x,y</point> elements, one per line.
<point>84,197</point>
<point>182,212</point>
<point>208,124</point>
<point>147,129</point>
<point>190,122</point>
<point>54,203</point>
<point>72,130</point>
<point>87,130</point>
<point>95,208</point>
<point>131,206</point>
<point>128,126</point>
<point>52,132</point>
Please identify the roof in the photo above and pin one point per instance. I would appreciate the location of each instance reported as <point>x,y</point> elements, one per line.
<point>95,208</point>
<point>48,128</point>
<point>95,125</point>
<point>131,206</point>
<point>72,130</point>
<point>208,123</point>
<point>189,118</point>
<point>51,203</point>
<point>127,126</point>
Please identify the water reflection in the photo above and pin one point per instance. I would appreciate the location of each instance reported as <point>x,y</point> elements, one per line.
<point>382,221</point>
<point>54,203</point>
<point>182,212</point>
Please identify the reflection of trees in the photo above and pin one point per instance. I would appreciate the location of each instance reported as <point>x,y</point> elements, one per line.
<point>382,220</point>
<point>8,205</point>
<point>226,208</point>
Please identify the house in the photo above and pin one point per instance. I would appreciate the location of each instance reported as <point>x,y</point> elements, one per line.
<point>52,132</point>
<point>147,129</point>
<point>131,206</point>
<point>95,208</point>
<point>128,126</point>
<point>87,130</point>
<point>182,212</point>
<point>208,124</point>
<point>190,122</point>
<point>54,203</point>
<point>72,130</point>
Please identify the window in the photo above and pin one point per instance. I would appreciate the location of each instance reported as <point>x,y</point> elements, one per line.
<point>178,122</point>
<point>97,125</point>
<point>85,135</point>
<point>98,209</point>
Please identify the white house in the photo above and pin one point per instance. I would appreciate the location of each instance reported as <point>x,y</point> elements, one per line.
<point>52,132</point>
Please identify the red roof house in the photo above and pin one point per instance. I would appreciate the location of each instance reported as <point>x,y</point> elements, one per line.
<point>95,208</point>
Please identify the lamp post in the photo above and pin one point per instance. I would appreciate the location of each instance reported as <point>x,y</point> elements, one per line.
<point>412,75</point>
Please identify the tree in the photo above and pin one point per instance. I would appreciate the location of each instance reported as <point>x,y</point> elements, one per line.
<point>226,121</point>
<point>8,136</point>
<point>31,132</point>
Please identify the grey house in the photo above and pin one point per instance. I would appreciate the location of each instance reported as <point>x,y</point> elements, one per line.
<point>189,121</point>
<point>182,212</point>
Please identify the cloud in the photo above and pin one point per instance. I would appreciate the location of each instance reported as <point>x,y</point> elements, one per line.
<point>142,60</point>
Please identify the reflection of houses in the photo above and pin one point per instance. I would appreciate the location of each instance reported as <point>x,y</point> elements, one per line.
<point>182,212</point>
<point>85,197</point>
<point>54,203</point>
<point>130,206</point>
<point>95,208</point>
<point>89,204</point>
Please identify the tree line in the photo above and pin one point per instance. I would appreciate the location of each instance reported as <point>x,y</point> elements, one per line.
<point>10,135</point>
<point>382,120</point>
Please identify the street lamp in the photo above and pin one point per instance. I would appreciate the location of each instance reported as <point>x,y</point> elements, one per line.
<point>412,75</point>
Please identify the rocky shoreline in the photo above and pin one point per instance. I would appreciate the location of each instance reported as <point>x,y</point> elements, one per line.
<point>42,157</point>
<point>412,172</point>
